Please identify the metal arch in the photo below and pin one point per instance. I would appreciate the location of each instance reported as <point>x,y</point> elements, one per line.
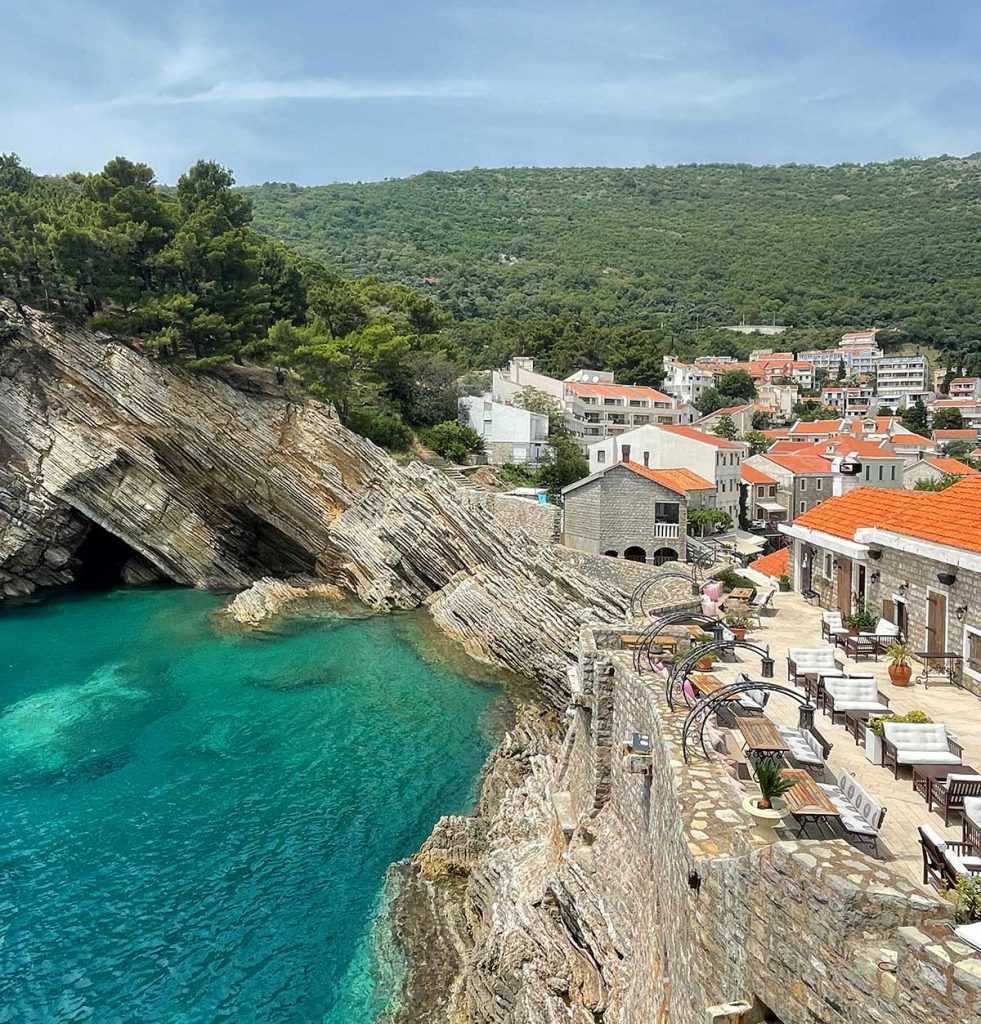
<point>670,619</point>
<point>703,708</point>
<point>640,591</point>
<point>695,654</point>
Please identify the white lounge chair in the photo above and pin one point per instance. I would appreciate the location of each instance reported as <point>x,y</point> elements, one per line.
<point>909,743</point>
<point>852,693</point>
<point>806,747</point>
<point>945,863</point>
<point>861,816</point>
<point>804,661</point>
<point>832,627</point>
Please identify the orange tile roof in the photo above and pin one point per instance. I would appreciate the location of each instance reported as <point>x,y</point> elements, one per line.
<point>754,476</point>
<point>775,564</point>
<point>618,391</point>
<point>776,433</point>
<point>681,481</point>
<point>800,462</point>
<point>910,439</point>
<point>954,403</point>
<point>731,409</point>
<point>959,434</point>
<point>948,465</point>
<point>817,427</point>
<point>864,447</point>
<point>951,517</point>
<point>698,435</point>
<point>964,380</point>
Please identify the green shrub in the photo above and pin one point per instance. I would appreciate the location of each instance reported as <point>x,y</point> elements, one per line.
<point>877,725</point>
<point>731,579</point>
<point>453,441</point>
<point>384,429</point>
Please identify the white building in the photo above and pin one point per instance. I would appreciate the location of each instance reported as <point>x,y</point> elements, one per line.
<point>777,400</point>
<point>667,447</point>
<point>900,378</point>
<point>965,387</point>
<point>969,409</point>
<point>685,381</point>
<point>510,434</point>
<point>849,401</point>
<point>857,350</point>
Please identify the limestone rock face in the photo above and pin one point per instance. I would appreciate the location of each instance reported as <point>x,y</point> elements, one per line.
<point>220,479</point>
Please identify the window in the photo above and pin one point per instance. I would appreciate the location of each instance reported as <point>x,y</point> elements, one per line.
<point>893,472</point>
<point>803,507</point>
<point>819,484</point>
<point>803,484</point>
<point>760,492</point>
<point>972,651</point>
<point>666,512</point>
<point>828,565</point>
<point>866,472</point>
<point>647,458</point>
<point>881,471</point>
<point>601,456</point>
<point>625,452</point>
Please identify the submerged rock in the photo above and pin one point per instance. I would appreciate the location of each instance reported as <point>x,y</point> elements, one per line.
<point>268,598</point>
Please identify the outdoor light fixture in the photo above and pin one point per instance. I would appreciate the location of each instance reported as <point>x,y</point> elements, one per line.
<point>874,577</point>
<point>805,717</point>
<point>948,579</point>
<point>960,611</point>
<point>875,554</point>
<point>766,667</point>
<point>903,587</point>
<point>717,630</point>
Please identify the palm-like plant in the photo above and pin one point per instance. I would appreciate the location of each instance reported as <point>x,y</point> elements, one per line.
<point>772,782</point>
<point>899,654</point>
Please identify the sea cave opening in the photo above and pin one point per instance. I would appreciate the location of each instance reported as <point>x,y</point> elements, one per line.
<point>100,559</point>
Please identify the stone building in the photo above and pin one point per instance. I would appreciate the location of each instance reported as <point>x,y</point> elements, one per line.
<point>913,557</point>
<point>632,511</point>
<point>803,480</point>
<point>933,469</point>
<point>741,416</point>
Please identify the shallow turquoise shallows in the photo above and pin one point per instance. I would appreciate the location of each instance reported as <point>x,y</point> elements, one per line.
<point>195,826</point>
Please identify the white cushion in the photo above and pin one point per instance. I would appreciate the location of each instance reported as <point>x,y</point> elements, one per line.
<point>917,735</point>
<point>858,811</point>
<point>856,689</point>
<point>810,659</point>
<point>860,705</point>
<point>969,933</point>
<point>934,836</point>
<point>972,809</point>
<point>926,757</point>
<point>804,747</point>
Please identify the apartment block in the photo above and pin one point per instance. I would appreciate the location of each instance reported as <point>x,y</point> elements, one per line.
<point>901,378</point>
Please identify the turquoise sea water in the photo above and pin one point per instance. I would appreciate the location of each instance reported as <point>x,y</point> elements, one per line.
<point>195,826</point>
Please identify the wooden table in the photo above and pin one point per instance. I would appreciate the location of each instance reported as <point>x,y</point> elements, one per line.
<point>925,775</point>
<point>859,646</point>
<point>706,684</point>
<point>666,641</point>
<point>761,737</point>
<point>806,801</point>
<point>855,722</point>
<point>742,593</point>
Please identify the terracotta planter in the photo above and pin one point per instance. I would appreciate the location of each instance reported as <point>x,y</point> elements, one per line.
<point>739,632</point>
<point>705,664</point>
<point>900,674</point>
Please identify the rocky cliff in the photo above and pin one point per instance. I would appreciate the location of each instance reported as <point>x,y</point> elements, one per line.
<point>111,459</point>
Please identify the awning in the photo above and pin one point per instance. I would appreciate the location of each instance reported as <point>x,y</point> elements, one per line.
<point>771,506</point>
<point>745,546</point>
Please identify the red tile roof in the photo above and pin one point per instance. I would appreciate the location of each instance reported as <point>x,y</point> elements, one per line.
<point>863,447</point>
<point>698,435</point>
<point>784,445</point>
<point>960,434</point>
<point>953,466</point>
<point>681,481</point>
<point>775,564</point>
<point>754,476</point>
<point>954,403</point>
<point>731,409</point>
<point>817,427</point>
<point>910,439</point>
<point>951,517</point>
<point>618,391</point>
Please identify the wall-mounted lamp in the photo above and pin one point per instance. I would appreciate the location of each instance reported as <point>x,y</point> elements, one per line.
<point>875,554</point>
<point>948,579</point>
<point>874,577</point>
<point>960,611</point>
<point>902,588</point>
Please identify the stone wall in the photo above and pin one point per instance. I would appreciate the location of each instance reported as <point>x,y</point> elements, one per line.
<point>542,522</point>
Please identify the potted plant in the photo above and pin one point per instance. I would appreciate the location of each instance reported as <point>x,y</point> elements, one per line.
<point>783,581</point>
<point>860,621</point>
<point>966,898</point>
<point>900,669</point>
<point>738,622</point>
<point>767,808</point>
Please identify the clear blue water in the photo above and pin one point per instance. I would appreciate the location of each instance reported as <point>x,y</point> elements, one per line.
<point>195,826</point>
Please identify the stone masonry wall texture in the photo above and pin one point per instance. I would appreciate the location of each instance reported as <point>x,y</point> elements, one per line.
<point>652,900</point>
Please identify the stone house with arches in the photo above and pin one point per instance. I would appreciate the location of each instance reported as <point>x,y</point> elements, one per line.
<point>632,511</point>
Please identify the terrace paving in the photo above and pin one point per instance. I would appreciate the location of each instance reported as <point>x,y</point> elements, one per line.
<point>798,624</point>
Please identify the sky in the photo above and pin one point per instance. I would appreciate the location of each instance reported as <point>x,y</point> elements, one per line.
<point>321,91</point>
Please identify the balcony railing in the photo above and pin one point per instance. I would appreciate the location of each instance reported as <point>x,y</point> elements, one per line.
<point>666,531</point>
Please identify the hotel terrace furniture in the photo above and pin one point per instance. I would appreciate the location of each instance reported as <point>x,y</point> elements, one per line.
<point>939,668</point>
<point>803,661</point>
<point>861,645</point>
<point>852,693</point>
<point>909,743</point>
<point>832,626</point>
<point>855,723</point>
<point>885,634</point>
<point>927,776</point>
<point>762,603</point>
<point>741,594</point>
<point>806,747</point>
<point>946,862</point>
<point>971,822</point>
<point>806,800</point>
<point>761,737</point>
<point>814,683</point>
<point>949,793</point>
<point>861,816</point>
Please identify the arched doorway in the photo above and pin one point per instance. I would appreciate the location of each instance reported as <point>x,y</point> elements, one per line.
<point>663,555</point>
<point>635,554</point>
<point>611,554</point>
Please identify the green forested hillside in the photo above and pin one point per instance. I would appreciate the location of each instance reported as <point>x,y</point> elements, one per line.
<point>661,250</point>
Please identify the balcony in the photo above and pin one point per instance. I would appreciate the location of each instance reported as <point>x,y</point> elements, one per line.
<point>666,531</point>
